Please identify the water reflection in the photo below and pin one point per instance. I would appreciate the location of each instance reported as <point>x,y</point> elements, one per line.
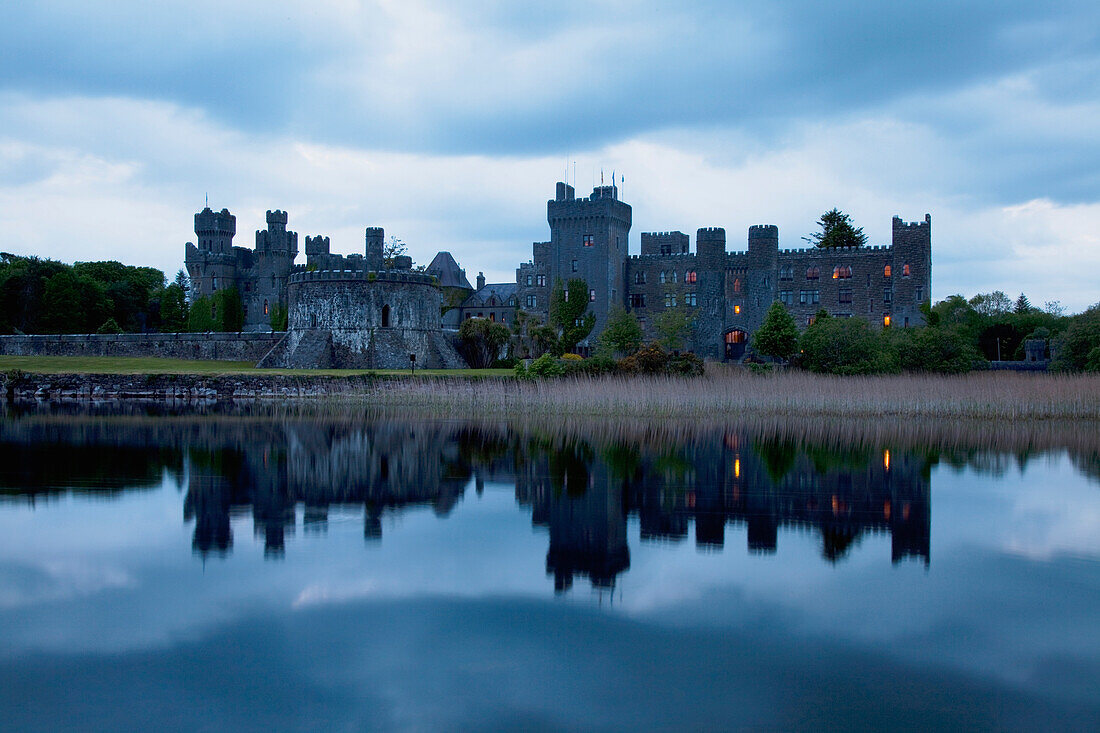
<point>582,489</point>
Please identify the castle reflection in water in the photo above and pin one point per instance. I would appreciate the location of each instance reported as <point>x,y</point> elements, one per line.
<point>583,490</point>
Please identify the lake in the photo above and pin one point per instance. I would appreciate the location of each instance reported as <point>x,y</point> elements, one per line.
<point>269,569</point>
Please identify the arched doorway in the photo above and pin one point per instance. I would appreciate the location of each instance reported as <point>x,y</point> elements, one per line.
<point>385,316</point>
<point>736,341</point>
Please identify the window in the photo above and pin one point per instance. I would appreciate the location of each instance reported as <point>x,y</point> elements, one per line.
<point>574,265</point>
<point>591,296</point>
<point>905,270</point>
<point>689,299</point>
<point>842,272</point>
<point>737,310</point>
<point>907,322</point>
<point>541,281</point>
<point>493,317</point>
<point>919,293</point>
<point>845,295</point>
<point>386,316</point>
<point>672,277</point>
<point>886,271</point>
<point>214,282</point>
<point>786,272</point>
<point>589,240</point>
<point>785,296</point>
<point>690,277</point>
<point>670,300</point>
<point>810,320</point>
<point>530,301</point>
<point>565,293</point>
<point>637,300</point>
<point>529,279</point>
<point>809,297</point>
<point>812,273</point>
<point>887,295</point>
<point>886,321</point>
<point>265,307</point>
<point>639,278</point>
<point>737,285</point>
<point>661,279</point>
<point>666,249</point>
<point>248,286</point>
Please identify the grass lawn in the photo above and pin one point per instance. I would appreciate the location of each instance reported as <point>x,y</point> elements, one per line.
<point>154,365</point>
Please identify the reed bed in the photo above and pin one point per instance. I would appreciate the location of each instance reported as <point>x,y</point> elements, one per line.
<point>979,396</point>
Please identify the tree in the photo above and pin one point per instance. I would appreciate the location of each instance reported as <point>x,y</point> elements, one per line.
<point>569,316</point>
<point>1054,308</point>
<point>173,308</point>
<point>837,231</point>
<point>778,335</point>
<point>392,249</point>
<point>482,341</point>
<point>844,346</point>
<point>1023,305</point>
<point>623,334</point>
<point>991,304</point>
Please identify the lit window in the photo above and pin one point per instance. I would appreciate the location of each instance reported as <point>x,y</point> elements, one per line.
<point>737,310</point>
<point>591,296</point>
<point>886,321</point>
<point>812,273</point>
<point>886,271</point>
<point>737,285</point>
<point>905,270</point>
<point>841,272</point>
<point>493,317</point>
<point>810,320</point>
<point>265,307</point>
<point>589,240</point>
<point>690,277</point>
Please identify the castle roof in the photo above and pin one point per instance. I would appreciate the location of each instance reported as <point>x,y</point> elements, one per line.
<point>501,291</point>
<point>447,271</point>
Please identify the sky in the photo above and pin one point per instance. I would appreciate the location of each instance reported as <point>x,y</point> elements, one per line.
<point>449,123</point>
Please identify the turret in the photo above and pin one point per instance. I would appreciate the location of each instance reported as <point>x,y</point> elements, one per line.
<point>215,230</point>
<point>911,276</point>
<point>374,238</point>
<point>276,238</point>
<point>316,246</point>
<point>710,248</point>
<point>710,260</point>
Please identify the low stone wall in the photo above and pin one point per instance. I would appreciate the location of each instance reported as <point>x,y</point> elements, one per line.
<point>200,346</point>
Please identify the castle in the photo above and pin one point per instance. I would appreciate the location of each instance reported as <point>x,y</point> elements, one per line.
<point>725,293</point>
<point>364,311</point>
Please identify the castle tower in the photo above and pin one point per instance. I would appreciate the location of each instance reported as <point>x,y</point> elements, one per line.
<point>710,251</point>
<point>911,271</point>
<point>215,231</point>
<point>588,240</point>
<point>374,239</point>
<point>761,278</point>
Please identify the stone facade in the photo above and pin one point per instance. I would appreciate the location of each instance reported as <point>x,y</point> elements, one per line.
<point>727,293</point>
<point>259,275</point>
<point>199,346</point>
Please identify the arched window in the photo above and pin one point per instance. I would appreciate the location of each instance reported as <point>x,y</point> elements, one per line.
<point>905,270</point>
<point>385,316</point>
<point>842,272</point>
<point>214,282</point>
<point>737,285</point>
<point>812,273</point>
<point>673,276</point>
<point>690,276</point>
<point>662,277</point>
<point>886,271</point>
<point>639,278</point>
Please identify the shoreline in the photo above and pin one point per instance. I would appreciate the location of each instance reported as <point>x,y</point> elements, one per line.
<point>986,395</point>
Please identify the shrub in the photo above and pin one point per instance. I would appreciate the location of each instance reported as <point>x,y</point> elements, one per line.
<point>845,346</point>
<point>572,357</point>
<point>688,365</point>
<point>109,326</point>
<point>546,366</point>
<point>651,359</point>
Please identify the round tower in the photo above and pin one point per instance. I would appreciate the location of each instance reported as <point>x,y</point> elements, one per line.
<point>710,261</point>
<point>763,271</point>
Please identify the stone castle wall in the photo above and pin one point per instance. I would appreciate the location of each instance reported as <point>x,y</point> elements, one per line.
<point>201,346</point>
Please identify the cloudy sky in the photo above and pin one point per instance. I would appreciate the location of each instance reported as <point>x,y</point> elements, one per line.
<point>448,124</point>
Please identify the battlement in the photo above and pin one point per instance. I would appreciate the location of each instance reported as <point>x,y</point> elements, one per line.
<point>764,230</point>
<point>317,245</point>
<point>831,251</point>
<point>654,257</point>
<point>209,222</point>
<point>390,276</point>
<point>277,218</point>
<point>899,224</point>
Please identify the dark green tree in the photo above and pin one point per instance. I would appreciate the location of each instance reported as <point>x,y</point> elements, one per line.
<point>623,334</point>
<point>1023,305</point>
<point>279,317</point>
<point>837,231</point>
<point>845,346</point>
<point>569,316</point>
<point>482,341</point>
<point>777,336</point>
<point>173,309</point>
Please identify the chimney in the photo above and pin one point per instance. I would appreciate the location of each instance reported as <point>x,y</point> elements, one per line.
<point>480,280</point>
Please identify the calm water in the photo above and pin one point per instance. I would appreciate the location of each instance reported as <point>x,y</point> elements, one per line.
<point>241,572</point>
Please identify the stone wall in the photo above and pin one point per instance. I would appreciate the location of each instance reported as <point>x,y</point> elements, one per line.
<point>210,346</point>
